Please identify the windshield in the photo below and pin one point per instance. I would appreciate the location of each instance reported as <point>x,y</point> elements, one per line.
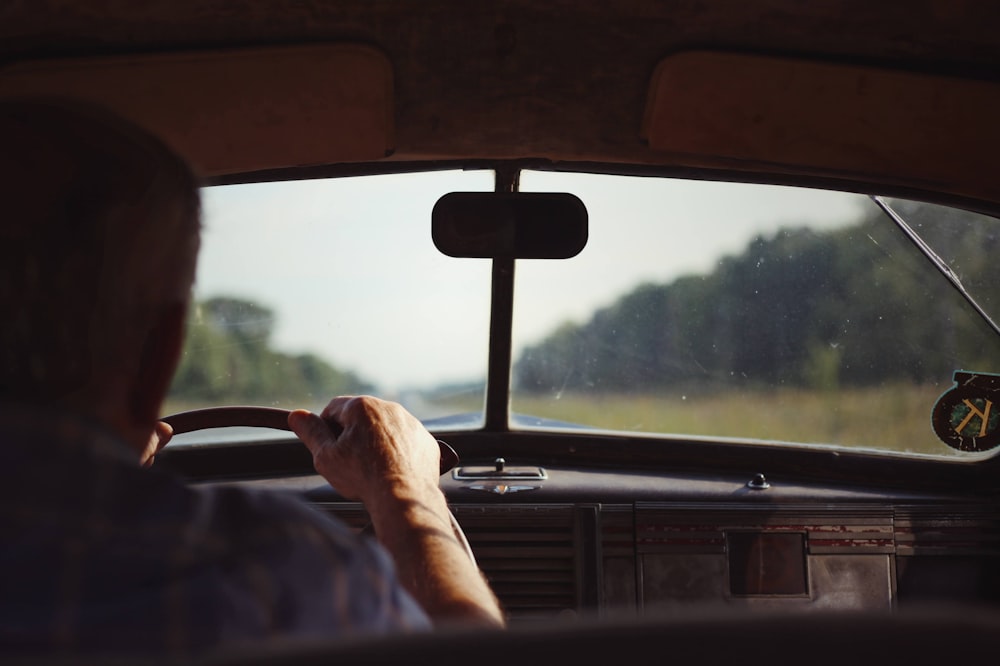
<point>748,311</point>
<point>316,288</point>
<point>697,309</point>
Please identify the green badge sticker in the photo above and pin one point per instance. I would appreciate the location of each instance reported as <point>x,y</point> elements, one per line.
<point>967,416</point>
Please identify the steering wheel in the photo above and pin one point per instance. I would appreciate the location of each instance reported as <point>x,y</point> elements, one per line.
<point>277,419</point>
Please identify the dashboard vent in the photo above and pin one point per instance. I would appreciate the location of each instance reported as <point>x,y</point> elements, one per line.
<point>527,553</point>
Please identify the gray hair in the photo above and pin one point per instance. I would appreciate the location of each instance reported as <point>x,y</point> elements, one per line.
<point>99,230</point>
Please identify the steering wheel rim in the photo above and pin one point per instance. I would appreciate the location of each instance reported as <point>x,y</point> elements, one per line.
<point>277,419</point>
<point>274,418</point>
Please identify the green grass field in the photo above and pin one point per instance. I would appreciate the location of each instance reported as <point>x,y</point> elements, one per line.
<point>888,418</point>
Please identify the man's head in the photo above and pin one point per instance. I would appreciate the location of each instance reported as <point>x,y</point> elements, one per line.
<point>99,228</point>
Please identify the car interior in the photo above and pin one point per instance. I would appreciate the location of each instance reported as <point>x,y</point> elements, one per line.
<point>699,297</point>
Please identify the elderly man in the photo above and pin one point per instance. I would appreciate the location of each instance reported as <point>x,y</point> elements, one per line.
<point>98,244</point>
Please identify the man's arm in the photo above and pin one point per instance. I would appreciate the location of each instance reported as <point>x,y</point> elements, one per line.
<point>376,451</point>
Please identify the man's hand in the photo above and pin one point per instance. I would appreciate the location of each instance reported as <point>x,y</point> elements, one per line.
<point>376,451</point>
<point>363,445</point>
<point>162,432</point>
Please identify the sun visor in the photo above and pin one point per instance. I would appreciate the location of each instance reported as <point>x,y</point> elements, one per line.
<point>827,119</point>
<point>240,110</point>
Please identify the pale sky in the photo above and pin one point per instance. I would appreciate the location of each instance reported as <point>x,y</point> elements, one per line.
<point>349,268</point>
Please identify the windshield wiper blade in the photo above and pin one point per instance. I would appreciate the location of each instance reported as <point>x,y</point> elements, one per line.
<point>935,259</point>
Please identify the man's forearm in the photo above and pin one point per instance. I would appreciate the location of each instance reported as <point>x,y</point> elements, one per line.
<point>414,525</point>
<point>384,456</point>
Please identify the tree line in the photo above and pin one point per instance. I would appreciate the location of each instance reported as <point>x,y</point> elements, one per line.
<point>854,306</point>
<point>228,359</point>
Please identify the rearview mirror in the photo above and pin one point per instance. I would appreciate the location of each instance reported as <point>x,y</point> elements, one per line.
<point>519,225</point>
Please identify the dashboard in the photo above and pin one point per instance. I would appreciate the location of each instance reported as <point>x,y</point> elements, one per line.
<point>558,542</point>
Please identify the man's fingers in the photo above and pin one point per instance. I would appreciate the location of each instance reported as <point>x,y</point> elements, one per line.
<point>163,431</point>
<point>310,428</point>
<point>334,411</point>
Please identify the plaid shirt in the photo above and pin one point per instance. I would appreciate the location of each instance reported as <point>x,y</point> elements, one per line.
<point>101,556</point>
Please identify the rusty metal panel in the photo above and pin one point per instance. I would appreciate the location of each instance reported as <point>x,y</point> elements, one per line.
<point>767,564</point>
<point>677,582</point>
<point>851,582</point>
<point>844,553</point>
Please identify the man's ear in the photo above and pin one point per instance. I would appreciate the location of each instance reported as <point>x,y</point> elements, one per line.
<point>160,356</point>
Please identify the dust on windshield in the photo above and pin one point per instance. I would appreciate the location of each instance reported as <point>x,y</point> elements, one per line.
<point>698,309</point>
<point>773,314</point>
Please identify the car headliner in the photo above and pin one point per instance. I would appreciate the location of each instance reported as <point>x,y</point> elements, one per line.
<point>561,82</point>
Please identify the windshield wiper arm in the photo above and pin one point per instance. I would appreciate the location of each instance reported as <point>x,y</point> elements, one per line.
<point>935,259</point>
